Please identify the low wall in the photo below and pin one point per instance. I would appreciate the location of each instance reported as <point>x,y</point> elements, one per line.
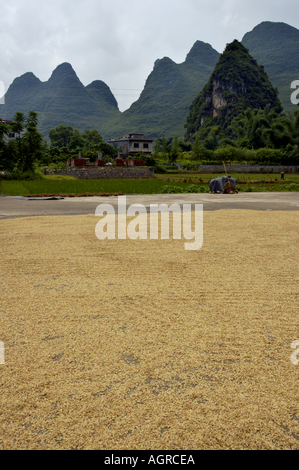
<point>248,169</point>
<point>105,173</point>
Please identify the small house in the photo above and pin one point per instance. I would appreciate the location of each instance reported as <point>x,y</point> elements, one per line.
<point>133,144</point>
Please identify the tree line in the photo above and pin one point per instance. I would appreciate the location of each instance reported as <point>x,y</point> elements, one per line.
<point>22,147</point>
<point>27,145</point>
<point>262,132</point>
<point>256,136</point>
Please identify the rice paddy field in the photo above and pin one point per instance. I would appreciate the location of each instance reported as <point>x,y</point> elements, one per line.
<point>66,185</point>
<point>140,344</point>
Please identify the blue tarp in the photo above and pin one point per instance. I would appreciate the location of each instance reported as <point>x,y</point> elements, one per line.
<point>217,184</point>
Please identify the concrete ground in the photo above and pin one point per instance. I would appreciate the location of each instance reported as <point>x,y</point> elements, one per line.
<point>14,207</point>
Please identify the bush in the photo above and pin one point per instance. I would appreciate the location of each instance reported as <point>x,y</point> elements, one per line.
<point>192,188</point>
<point>26,176</point>
<point>268,155</point>
<point>160,169</point>
<point>172,190</point>
<point>150,160</point>
<point>292,187</point>
<point>187,156</point>
<point>57,166</point>
<point>190,166</point>
<point>230,153</point>
<point>205,154</point>
<point>291,157</point>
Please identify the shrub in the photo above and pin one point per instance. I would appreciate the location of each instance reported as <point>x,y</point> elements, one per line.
<point>192,188</point>
<point>268,155</point>
<point>160,169</point>
<point>190,166</point>
<point>57,166</point>
<point>150,160</point>
<point>17,174</point>
<point>292,187</point>
<point>172,190</point>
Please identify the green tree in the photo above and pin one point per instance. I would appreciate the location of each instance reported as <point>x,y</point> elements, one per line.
<point>61,136</point>
<point>167,147</point>
<point>197,146</point>
<point>69,141</point>
<point>92,140</point>
<point>257,129</point>
<point>175,151</point>
<point>17,127</point>
<point>32,142</point>
<point>4,130</point>
<point>157,147</point>
<point>76,141</point>
<point>212,139</point>
<point>108,150</point>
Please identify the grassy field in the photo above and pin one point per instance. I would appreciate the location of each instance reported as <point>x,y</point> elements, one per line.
<point>73,186</point>
<point>238,176</point>
<point>162,183</point>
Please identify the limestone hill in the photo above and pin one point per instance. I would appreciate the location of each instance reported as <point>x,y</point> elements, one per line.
<point>237,83</point>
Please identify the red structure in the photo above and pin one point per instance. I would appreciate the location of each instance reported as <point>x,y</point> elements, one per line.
<point>99,162</point>
<point>139,162</point>
<point>119,161</point>
<point>134,162</point>
<point>76,162</point>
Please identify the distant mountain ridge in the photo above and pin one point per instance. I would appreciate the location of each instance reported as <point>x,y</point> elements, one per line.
<point>63,99</point>
<point>169,91</point>
<point>161,108</point>
<point>276,46</point>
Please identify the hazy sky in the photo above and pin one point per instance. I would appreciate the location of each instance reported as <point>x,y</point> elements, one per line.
<point>118,41</point>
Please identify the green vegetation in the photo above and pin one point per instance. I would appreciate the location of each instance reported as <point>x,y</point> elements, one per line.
<point>198,183</point>
<point>58,186</point>
<point>237,116</point>
<point>256,137</point>
<point>192,188</point>
<point>22,157</point>
<point>275,46</point>
<point>237,83</point>
<point>256,142</point>
<point>20,154</point>
<point>241,177</point>
<point>66,142</point>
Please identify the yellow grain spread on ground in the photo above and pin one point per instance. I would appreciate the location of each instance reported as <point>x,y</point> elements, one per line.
<point>122,344</point>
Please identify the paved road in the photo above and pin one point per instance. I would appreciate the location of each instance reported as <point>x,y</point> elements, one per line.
<point>13,207</point>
